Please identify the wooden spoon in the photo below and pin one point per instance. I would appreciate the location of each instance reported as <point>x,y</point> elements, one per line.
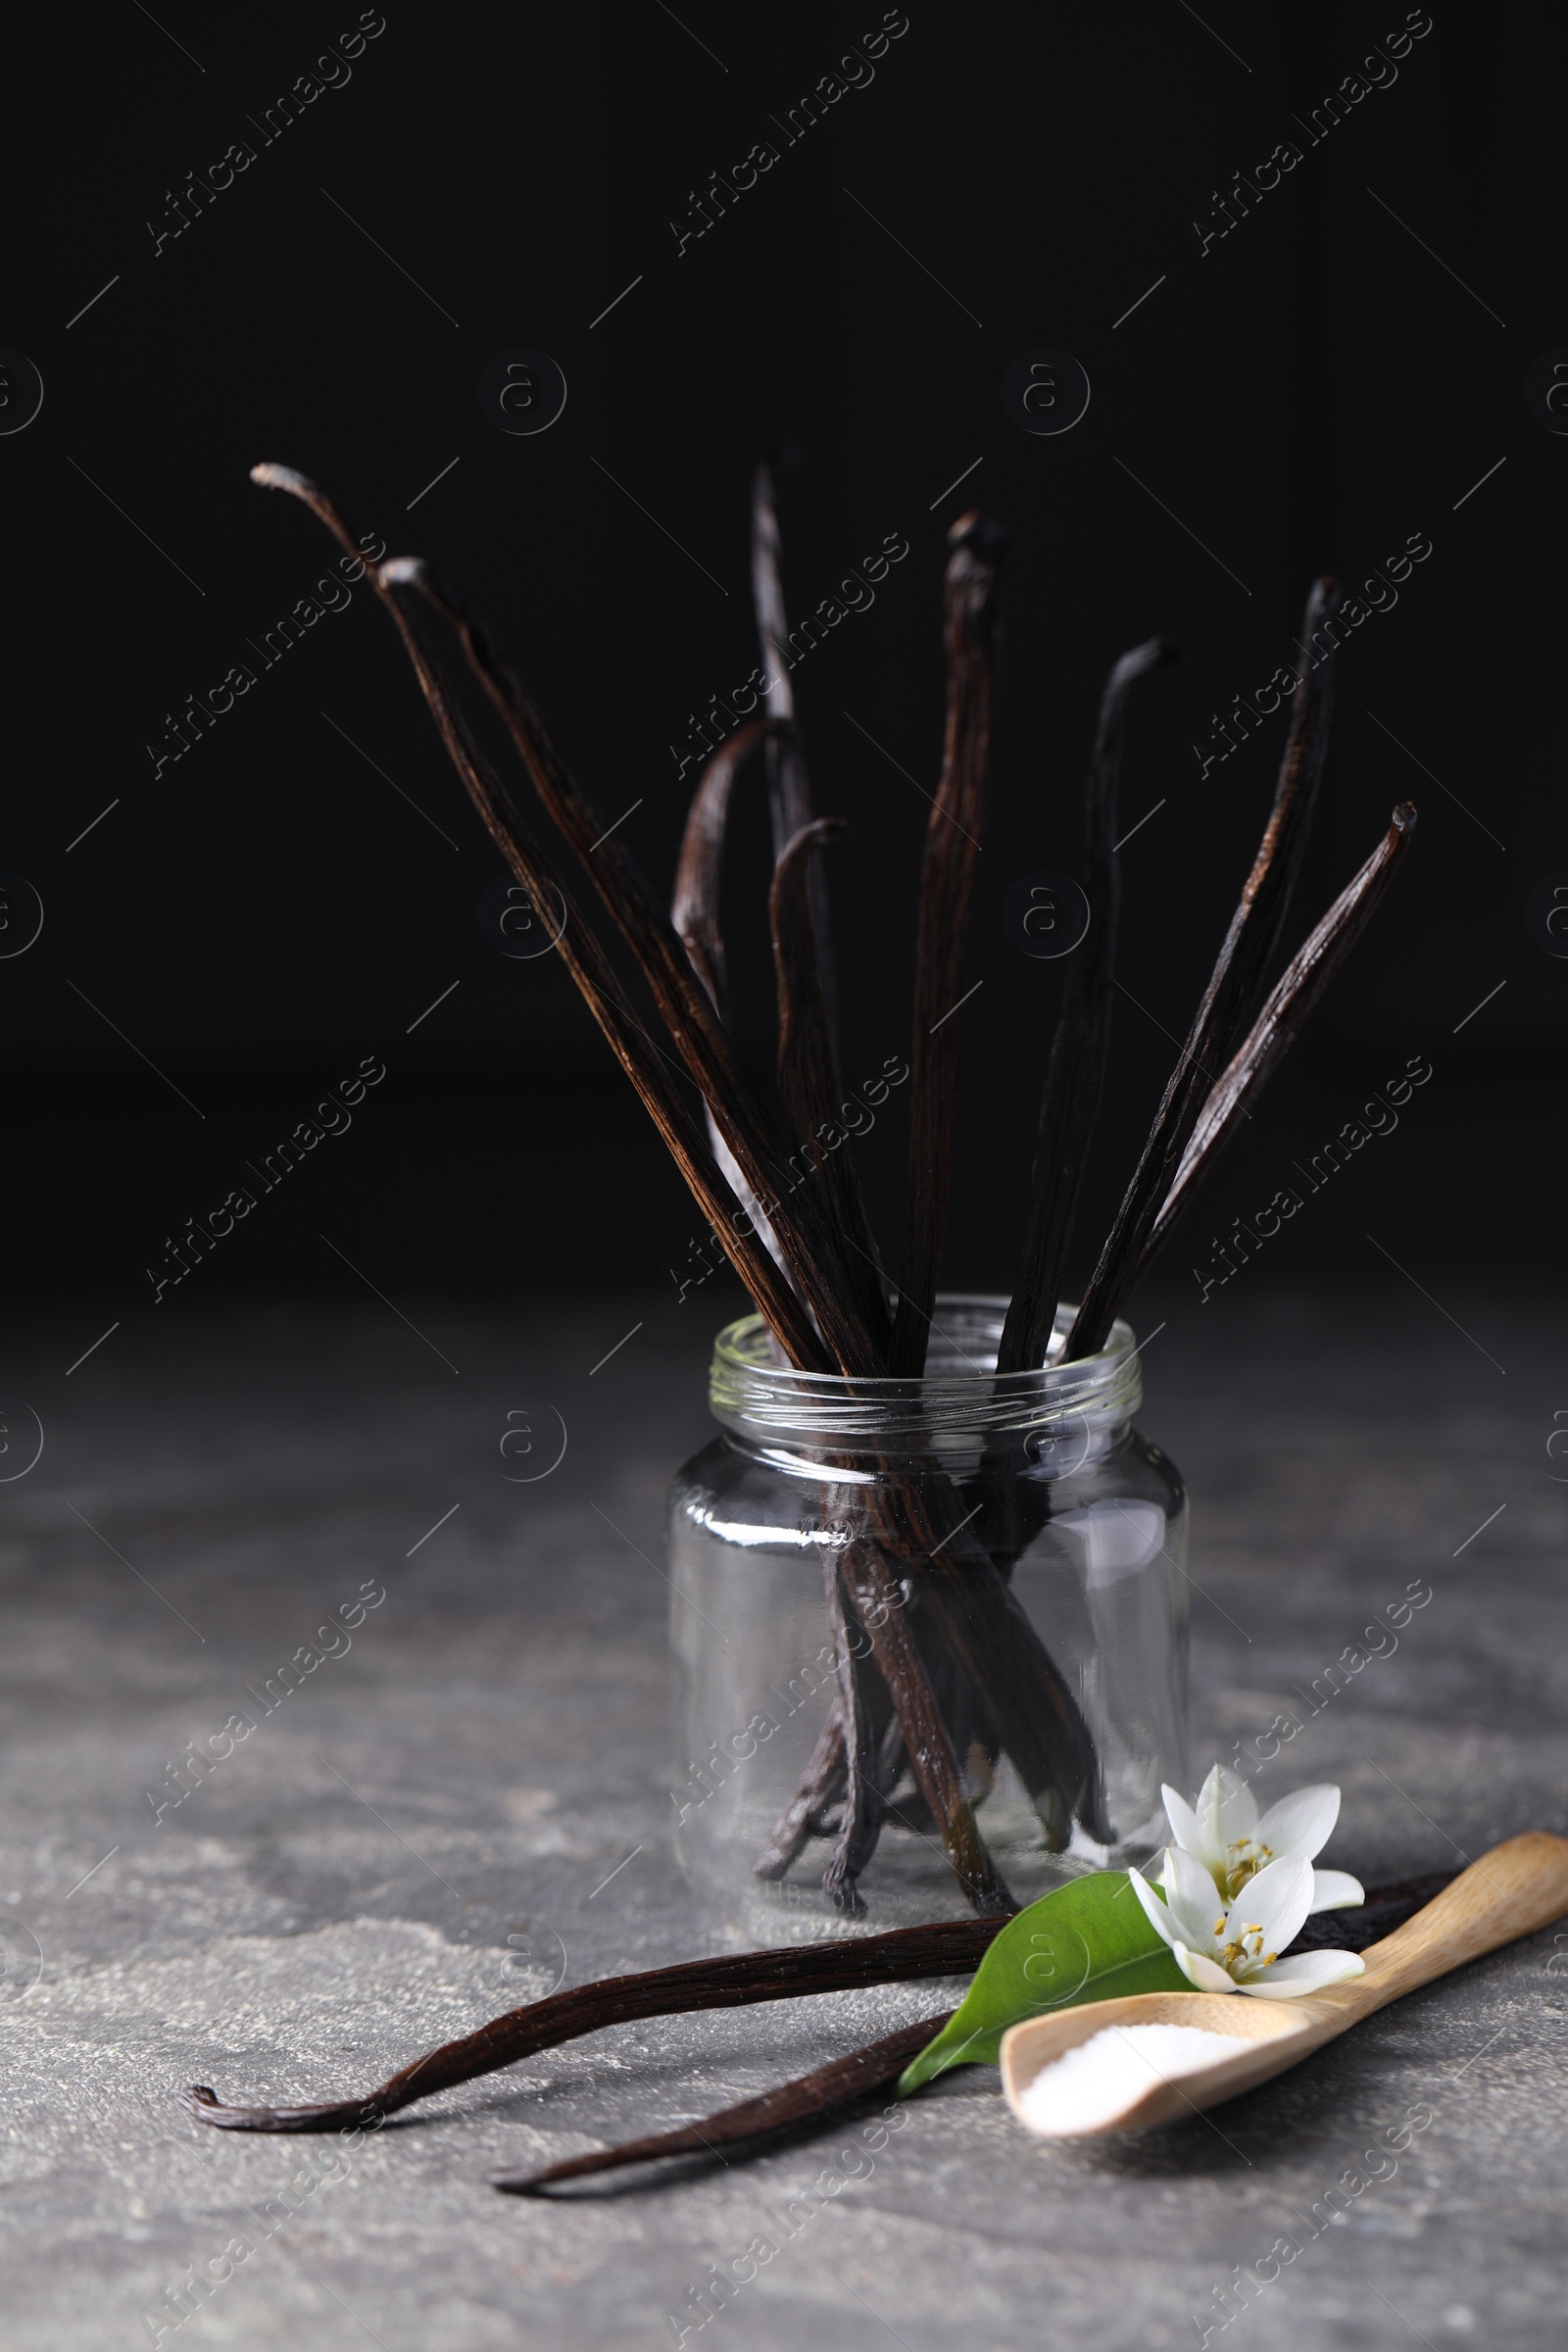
<point>1517,1888</point>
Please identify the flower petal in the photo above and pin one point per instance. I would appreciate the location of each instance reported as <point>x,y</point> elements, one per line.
<point>1156,1912</point>
<point>1192,1830</point>
<point>1276,1901</point>
<point>1235,1807</point>
<point>1206,1974</point>
<point>1303,1972</point>
<point>1332,1889</point>
<point>1301,1822</point>
<point>1194,1902</point>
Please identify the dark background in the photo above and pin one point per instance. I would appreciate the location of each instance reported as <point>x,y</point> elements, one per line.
<point>1313,391</point>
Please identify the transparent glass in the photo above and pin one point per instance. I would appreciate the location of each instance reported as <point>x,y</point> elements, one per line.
<point>1009,1545</point>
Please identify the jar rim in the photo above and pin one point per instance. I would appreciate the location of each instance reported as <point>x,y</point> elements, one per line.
<point>960,1395</point>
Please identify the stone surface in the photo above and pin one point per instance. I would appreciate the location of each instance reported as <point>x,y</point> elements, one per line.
<point>342,1892</point>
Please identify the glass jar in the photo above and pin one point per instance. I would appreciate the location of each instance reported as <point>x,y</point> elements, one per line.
<point>972,1585</point>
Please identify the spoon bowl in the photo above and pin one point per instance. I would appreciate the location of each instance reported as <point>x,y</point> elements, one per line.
<point>1518,1888</point>
<point>1268,2036</point>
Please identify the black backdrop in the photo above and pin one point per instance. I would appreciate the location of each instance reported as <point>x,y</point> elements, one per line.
<point>1323,382</point>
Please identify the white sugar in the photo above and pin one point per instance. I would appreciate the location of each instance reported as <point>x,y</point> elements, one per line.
<point>1092,2084</point>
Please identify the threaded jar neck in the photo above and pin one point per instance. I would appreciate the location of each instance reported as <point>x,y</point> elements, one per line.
<point>1049,1423</point>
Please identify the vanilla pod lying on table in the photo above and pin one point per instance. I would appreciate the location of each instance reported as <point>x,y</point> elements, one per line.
<point>952,1947</point>
<point>847,2083</point>
<point>837,2089</point>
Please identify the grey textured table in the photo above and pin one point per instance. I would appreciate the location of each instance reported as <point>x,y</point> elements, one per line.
<point>340,1894</point>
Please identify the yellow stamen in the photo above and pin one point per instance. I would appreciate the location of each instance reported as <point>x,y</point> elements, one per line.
<point>1243,1860</point>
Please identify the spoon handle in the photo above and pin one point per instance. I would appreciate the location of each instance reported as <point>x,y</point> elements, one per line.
<point>1517,1888</point>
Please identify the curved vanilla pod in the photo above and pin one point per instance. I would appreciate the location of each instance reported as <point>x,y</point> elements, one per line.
<point>949,1947</point>
<point>695,913</point>
<point>864,1710</point>
<point>789,787</point>
<point>1231,1000</point>
<point>810,2098</point>
<point>808,1078</point>
<point>584,958</point>
<point>1080,1048</point>
<point>820,1789</point>
<point>947,880</point>
<point>695,902</point>
<point>807,1239</point>
<point>872,1591</point>
<point>888,1673</point>
<point>1293,998</point>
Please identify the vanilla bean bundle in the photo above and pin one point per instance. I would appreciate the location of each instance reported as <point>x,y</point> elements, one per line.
<point>965,1669</point>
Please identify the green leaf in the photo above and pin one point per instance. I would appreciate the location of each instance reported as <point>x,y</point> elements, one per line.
<point>1088,1942</point>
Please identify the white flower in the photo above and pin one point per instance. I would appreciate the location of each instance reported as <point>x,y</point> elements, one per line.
<point>1233,1842</point>
<point>1236,1948</point>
